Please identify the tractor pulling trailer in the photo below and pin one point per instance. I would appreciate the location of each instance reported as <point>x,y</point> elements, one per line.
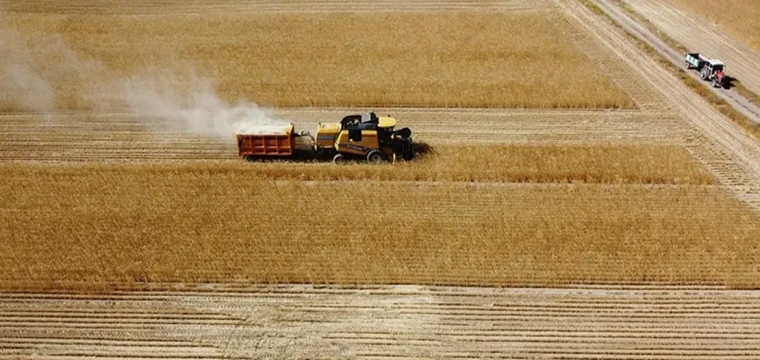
<point>356,137</point>
<point>709,69</point>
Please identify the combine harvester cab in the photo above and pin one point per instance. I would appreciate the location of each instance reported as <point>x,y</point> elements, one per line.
<point>364,137</point>
<point>709,69</point>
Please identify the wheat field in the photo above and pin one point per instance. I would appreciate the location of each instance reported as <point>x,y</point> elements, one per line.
<point>608,230</point>
<point>649,189</point>
<point>458,59</point>
<point>80,225</point>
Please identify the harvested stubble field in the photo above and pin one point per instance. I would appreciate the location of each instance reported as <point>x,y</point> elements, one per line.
<point>384,322</point>
<point>447,59</point>
<point>738,18</point>
<point>88,225</point>
<point>87,137</point>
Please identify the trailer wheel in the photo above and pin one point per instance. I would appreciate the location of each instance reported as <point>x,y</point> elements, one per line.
<point>375,157</point>
<point>339,159</point>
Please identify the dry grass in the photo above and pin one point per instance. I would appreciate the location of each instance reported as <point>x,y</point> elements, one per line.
<point>739,18</point>
<point>63,224</point>
<point>447,59</point>
<point>650,164</point>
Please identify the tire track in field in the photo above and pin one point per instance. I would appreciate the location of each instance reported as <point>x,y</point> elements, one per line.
<point>150,7</point>
<point>242,321</point>
<point>699,35</point>
<point>720,145</point>
<point>123,137</point>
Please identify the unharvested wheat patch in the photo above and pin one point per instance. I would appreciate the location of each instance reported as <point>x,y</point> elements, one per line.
<point>448,59</point>
<point>658,164</point>
<point>591,164</point>
<point>127,224</point>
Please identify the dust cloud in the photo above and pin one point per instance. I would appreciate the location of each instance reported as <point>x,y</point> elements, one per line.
<point>25,80</point>
<point>44,74</point>
<point>184,101</point>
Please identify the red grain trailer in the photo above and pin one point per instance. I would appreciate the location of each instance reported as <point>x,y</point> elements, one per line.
<point>267,142</point>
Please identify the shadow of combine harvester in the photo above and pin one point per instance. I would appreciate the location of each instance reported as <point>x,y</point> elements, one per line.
<point>363,137</point>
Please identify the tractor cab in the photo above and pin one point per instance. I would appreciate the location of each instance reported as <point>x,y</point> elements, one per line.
<point>715,65</point>
<point>709,69</point>
<point>713,71</point>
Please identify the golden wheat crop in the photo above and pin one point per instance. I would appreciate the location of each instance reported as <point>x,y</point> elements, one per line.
<point>738,18</point>
<point>451,59</point>
<point>64,224</point>
<point>651,164</point>
<point>606,164</point>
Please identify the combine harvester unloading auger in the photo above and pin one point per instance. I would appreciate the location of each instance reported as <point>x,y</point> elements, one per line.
<point>356,137</point>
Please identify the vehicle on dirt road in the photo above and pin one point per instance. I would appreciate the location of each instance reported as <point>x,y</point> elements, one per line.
<point>709,69</point>
<point>356,137</point>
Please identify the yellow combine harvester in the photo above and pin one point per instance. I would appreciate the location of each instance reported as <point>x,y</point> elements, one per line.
<point>356,137</point>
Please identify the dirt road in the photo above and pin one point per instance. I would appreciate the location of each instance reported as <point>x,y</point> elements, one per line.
<point>221,321</point>
<point>697,34</point>
<point>714,139</point>
<point>632,26</point>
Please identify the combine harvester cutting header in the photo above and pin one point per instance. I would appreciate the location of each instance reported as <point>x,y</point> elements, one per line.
<point>357,137</point>
<point>709,69</point>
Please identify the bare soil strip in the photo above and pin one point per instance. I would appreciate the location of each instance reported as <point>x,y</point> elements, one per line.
<point>227,321</point>
<point>699,35</point>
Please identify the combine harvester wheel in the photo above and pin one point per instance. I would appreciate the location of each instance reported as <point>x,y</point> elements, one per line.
<point>375,157</point>
<point>339,159</point>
